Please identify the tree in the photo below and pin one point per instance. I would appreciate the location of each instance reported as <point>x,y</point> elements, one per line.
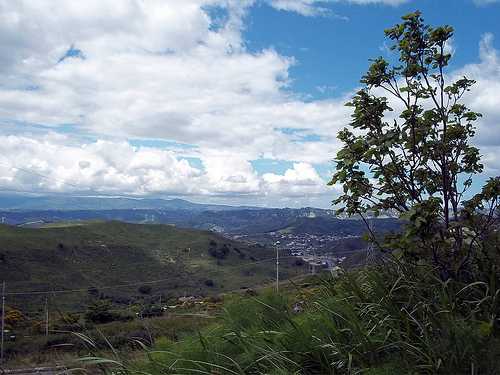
<point>145,289</point>
<point>100,312</point>
<point>419,163</point>
<point>13,317</point>
<point>93,291</point>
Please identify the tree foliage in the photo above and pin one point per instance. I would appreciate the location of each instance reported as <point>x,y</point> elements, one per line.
<point>408,150</point>
<point>100,312</point>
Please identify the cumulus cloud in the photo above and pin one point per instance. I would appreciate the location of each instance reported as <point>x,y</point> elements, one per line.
<point>52,164</point>
<point>485,99</point>
<point>154,70</point>
<point>299,180</point>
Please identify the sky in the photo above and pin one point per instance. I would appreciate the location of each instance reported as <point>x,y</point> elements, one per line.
<point>222,101</point>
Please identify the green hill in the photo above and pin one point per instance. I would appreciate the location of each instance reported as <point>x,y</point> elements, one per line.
<point>331,225</point>
<point>117,258</point>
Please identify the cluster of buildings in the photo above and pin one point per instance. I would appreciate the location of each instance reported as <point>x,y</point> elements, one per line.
<point>318,251</point>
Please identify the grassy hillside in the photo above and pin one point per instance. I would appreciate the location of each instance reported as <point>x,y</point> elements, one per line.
<point>342,227</point>
<point>105,254</point>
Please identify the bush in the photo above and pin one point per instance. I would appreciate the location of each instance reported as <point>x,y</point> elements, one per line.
<point>100,312</point>
<point>219,253</point>
<point>145,289</point>
<point>13,317</point>
<point>299,262</point>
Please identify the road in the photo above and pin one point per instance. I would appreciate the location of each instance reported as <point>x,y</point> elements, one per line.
<point>35,371</point>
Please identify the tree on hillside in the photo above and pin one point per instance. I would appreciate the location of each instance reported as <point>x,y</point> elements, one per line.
<point>408,151</point>
<point>100,312</point>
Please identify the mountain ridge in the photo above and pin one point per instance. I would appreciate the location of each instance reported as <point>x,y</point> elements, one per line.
<point>22,202</point>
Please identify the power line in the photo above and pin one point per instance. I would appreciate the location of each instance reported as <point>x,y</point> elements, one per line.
<point>3,322</point>
<point>340,253</point>
<point>134,283</point>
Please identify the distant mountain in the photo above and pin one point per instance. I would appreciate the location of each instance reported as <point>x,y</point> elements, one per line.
<point>65,203</point>
<point>37,210</point>
<point>231,221</point>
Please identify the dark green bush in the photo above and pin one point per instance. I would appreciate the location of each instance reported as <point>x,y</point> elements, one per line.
<point>145,289</point>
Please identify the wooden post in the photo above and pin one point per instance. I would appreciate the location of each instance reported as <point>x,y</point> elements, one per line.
<point>277,266</point>
<point>46,316</point>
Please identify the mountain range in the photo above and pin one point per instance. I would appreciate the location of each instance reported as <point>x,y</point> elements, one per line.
<point>35,211</point>
<point>67,202</point>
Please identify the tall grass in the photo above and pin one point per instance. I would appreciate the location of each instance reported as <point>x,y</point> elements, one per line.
<point>398,319</point>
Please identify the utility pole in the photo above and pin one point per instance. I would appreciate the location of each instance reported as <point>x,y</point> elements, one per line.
<point>369,250</point>
<point>46,315</point>
<point>276,244</point>
<point>3,321</point>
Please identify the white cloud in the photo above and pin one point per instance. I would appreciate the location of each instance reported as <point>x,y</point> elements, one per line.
<point>485,99</point>
<point>318,7</point>
<point>385,2</point>
<point>301,180</point>
<point>152,70</point>
<point>52,164</point>
<point>155,70</point>
<point>304,7</point>
<point>485,2</point>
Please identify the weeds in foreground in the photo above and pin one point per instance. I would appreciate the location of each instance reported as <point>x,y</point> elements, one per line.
<point>397,319</point>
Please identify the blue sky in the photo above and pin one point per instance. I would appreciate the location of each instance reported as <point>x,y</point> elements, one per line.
<point>334,52</point>
<point>230,101</point>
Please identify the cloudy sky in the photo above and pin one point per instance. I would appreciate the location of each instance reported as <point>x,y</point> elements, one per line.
<point>231,101</point>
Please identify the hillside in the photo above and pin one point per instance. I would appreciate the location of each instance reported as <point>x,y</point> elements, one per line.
<point>105,254</point>
<point>234,221</point>
<point>343,227</point>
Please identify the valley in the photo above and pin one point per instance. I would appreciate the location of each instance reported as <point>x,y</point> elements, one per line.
<point>121,270</point>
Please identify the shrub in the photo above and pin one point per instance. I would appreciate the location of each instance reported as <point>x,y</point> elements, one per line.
<point>145,289</point>
<point>100,312</point>
<point>299,262</point>
<point>219,253</point>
